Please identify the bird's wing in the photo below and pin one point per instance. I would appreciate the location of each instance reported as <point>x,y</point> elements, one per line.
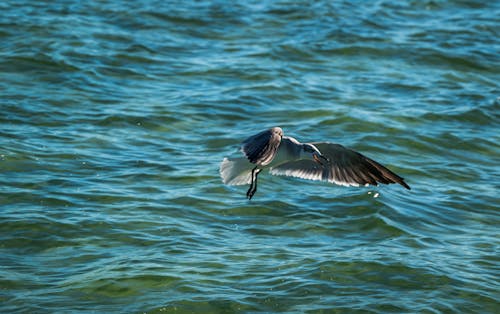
<point>344,167</point>
<point>261,148</point>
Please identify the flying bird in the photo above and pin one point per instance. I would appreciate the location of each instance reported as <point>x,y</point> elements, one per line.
<point>285,156</point>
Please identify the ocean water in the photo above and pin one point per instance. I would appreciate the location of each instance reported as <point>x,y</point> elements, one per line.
<point>115,115</point>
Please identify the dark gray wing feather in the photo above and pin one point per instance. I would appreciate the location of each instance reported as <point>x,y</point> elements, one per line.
<point>344,167</point>
<point>261,148</point>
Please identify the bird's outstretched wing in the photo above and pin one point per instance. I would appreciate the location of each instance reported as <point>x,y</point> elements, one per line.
<point>344,167</point>
<point>261,148</point>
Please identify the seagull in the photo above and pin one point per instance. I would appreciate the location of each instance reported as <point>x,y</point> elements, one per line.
<point>285,156</point>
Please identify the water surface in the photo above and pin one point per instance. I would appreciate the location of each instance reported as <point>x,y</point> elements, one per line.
<point>114,117</point>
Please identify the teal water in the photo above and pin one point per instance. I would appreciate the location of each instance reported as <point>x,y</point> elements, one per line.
<point>114,117</point>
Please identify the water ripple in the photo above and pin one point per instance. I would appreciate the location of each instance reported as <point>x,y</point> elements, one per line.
<point>115,117</point>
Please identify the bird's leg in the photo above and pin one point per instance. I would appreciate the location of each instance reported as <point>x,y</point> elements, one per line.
<point>255,182</point>
<point>253,185</point>
<point>251,190</point>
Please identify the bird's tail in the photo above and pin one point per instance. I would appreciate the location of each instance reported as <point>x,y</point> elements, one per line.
<point>236,171</point>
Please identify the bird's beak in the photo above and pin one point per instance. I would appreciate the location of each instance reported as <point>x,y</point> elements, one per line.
<point>320,159</point>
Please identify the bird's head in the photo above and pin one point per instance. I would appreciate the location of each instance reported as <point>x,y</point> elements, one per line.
<point>310,151</point>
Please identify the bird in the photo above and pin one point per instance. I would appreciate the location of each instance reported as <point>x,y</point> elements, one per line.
<point>286,156</point>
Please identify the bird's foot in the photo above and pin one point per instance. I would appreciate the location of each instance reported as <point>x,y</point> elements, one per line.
<point>251,191</point>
